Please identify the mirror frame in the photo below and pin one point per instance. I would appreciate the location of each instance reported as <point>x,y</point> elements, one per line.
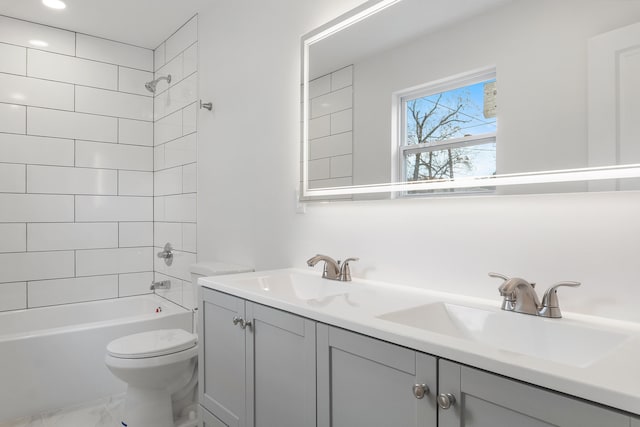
<point>356,15</point>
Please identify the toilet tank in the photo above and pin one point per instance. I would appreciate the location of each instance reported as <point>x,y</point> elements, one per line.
<point>212,268</point>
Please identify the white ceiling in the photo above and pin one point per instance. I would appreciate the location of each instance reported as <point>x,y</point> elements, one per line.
<point>145,23</point>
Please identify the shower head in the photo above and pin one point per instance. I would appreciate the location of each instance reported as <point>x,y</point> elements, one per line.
<point>151,86</point>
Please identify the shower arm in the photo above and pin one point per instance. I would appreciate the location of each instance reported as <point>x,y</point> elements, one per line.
<point>151,86</point>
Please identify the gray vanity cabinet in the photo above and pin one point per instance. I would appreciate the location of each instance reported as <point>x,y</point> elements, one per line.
<point>488,400</point>
<point>366,382</point>
<point>258,365</point>
<point>222,371</point>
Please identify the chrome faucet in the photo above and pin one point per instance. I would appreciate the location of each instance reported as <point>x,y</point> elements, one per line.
<point>333,270</point>
<point>520,297</point>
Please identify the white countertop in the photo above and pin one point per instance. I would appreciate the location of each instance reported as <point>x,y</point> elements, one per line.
<point>613,380</point>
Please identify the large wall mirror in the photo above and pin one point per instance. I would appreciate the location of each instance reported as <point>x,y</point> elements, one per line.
<point>438,97</point>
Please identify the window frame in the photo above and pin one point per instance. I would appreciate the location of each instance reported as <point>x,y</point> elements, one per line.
<point>400,100</point>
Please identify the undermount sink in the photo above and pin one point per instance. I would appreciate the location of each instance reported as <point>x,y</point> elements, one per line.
<point>291,285</point>
<point>557,340</point>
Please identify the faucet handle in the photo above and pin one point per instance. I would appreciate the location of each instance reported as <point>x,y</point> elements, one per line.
<point>505,278</point>
<point>550,306</point>
<point>499,276</point>
<point>345,271</point>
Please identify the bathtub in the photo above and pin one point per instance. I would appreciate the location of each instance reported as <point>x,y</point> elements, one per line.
<point>53,357</point>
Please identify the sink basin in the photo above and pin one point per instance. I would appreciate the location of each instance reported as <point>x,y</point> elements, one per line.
<point>292,286</point>
<point>558,340</point>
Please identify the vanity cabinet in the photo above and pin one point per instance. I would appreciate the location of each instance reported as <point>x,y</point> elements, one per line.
<point>488,400</point>
<point>263,367</point>
<point>367,382</point>
<point>258,364</point>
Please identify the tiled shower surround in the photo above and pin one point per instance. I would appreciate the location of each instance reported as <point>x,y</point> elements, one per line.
<point>175,137</point>
<point>77,166</point>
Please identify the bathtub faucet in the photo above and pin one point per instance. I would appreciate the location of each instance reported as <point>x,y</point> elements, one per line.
<point>163,284</point>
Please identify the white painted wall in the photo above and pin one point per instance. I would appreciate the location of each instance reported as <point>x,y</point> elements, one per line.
<point>248,152</point>
<point>76,167</point>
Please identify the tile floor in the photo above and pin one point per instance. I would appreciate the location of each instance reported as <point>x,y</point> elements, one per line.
<point>100,413</point>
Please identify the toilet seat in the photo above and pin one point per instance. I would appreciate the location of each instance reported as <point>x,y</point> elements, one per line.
<point>152,344</point>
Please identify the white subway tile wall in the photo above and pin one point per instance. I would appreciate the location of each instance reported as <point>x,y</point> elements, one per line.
<point>134,283</point>
<point>13,117</point>
<point>331,129</point>
<point>175,140</point>
<point>76,167</point>
<point>20,33</point>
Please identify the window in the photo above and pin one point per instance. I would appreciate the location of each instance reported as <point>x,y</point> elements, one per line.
<point>448,129</point>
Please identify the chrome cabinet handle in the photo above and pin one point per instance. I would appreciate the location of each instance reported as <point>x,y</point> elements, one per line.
<point>237,320</point>
<point>420,391</point>
<point>446,400</point>
<point>246,324</point>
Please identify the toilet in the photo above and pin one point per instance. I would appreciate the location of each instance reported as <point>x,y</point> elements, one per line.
<point>160,367</point>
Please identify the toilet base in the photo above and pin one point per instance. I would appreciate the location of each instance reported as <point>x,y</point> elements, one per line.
<point>189,417</point>
<point>147,408</point>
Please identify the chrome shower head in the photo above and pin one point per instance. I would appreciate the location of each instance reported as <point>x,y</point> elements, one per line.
<point>151,86</point>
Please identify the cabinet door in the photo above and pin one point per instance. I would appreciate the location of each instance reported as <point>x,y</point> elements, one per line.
<point>281,372</point>
<point>366,382</point>
<point>222,358</point>
<point>207,419</point>
<point>487,400</point>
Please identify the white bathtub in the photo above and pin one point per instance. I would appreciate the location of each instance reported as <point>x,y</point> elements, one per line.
<point>53,357</point>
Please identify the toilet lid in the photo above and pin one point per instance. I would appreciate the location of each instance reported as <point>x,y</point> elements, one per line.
<point>152,343</point>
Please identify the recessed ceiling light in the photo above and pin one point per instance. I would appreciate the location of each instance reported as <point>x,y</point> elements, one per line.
<point>54,4</point>
<point>38,43</point>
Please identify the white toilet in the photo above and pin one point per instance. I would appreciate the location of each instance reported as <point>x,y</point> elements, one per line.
<point>160,367</point>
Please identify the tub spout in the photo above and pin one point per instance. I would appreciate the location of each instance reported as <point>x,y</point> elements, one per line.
<point>163,284</point>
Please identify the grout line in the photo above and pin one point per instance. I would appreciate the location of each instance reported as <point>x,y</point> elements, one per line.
<point>106,89</point>
<point>76,33</point>
<point>75,112</point>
